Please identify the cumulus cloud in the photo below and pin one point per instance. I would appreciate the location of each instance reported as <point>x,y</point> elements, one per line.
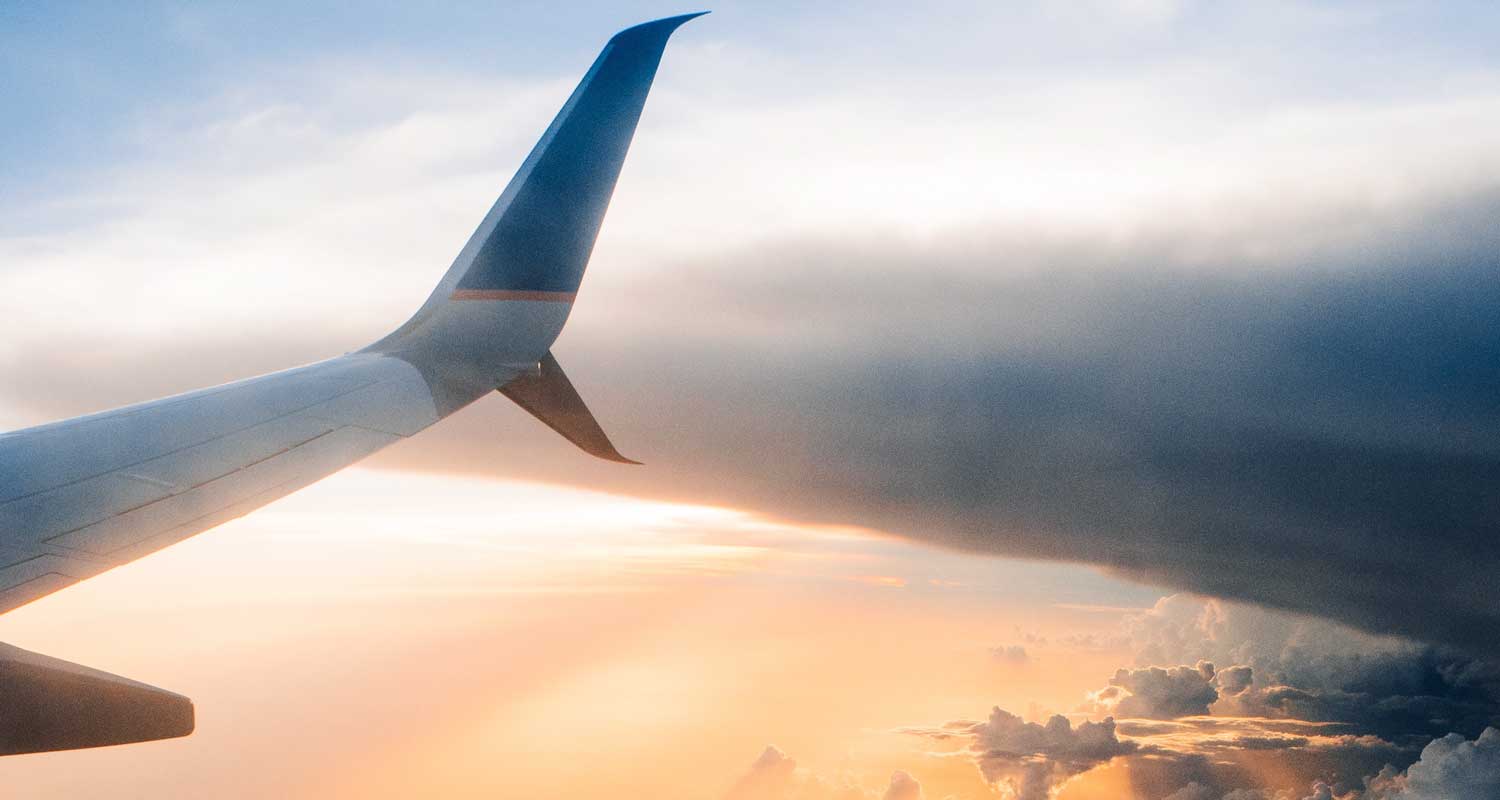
<point>1193,791</point>
<point>1450,767</point>
<point>1162,693</point>
<point>1336,714</point>
<point>1029,759</point>
<point>1293,667</point>
<point>1197,791</point>
<point>1234,680</point>
<point>903,787</point>
<point>770,775</point>
<point>775,776</point>
<point>1319,789</point>
<point>1006,736</point>
<point>1010,654</point>
<point>1328,700</point>
<point>1323,791</point>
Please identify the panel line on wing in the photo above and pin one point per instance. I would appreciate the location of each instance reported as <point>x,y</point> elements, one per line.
<point>119,538</point>
<point>186,447</point>
<point>153,481</point>
<point>203,522</point>
<point>52,539</point>
<point>24,592</point>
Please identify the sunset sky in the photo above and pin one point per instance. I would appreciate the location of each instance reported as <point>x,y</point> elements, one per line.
<point>989,362</point>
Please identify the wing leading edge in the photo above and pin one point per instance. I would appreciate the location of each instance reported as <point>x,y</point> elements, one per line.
<point>81,496</point>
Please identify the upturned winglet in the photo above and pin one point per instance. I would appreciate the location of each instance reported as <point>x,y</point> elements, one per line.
<point>535,242</point>
<point>503,302</point>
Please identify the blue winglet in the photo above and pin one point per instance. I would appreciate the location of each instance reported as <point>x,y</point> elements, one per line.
<point>542,240</point>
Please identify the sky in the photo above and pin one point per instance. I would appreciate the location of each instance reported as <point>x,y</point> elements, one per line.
<point>1037,400</point>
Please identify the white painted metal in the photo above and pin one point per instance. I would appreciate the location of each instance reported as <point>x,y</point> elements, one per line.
<point>112,487</point>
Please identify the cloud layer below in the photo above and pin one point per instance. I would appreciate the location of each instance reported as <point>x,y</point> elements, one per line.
<point>1311,711</point>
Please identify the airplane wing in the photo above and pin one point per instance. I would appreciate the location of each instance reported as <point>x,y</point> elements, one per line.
<point>80,496</point>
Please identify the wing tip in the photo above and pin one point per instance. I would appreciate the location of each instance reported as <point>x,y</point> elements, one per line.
<point>664,26</point>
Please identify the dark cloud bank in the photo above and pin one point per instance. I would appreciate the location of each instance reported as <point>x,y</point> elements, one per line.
<point>1300,410</point>
<point>1305,415</point>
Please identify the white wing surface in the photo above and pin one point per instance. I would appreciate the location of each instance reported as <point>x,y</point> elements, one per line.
<point>98,491</point>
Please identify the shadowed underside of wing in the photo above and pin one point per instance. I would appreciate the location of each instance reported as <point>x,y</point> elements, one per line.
<point>50,704</point>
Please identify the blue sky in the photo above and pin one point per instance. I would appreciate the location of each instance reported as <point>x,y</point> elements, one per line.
<point>83,73</point>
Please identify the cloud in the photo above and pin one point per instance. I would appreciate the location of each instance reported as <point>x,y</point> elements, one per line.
<point>770,775</point>
<point>1450,767</point>
<point>1193,791</point>
<point>1197,791</point>
<point>1028,759</point>
<point>1306,669</point>
<point>1322,791</point>
<point>1331,712</point>
<point>1189,758</point>
<point>1234,680</point>
<point>775,776</point>
<point>1013,654</point>
<point>1158,693</point>
<point>903,787</point>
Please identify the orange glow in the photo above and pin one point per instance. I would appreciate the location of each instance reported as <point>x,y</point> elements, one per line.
<point>391,635</point>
